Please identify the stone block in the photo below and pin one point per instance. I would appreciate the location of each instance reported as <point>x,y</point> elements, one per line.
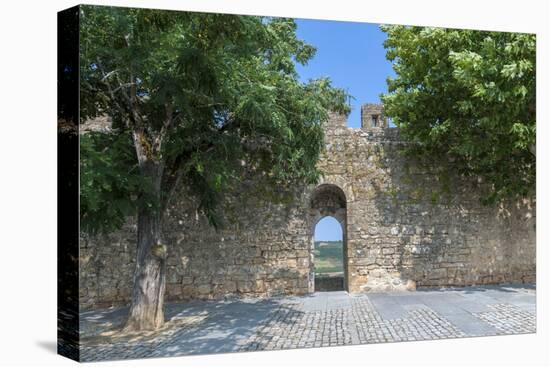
<point>440,273</point>
<point>388,251</point>
<point>410,285</point>
<point>245,286</point>
<point>377,273</point>
<point>203,289</point>
<point>230,286</point>
<point>174,290</point>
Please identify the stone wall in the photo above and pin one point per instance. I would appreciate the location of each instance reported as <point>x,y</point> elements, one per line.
<point>408,227</point>
<point>263,251</point>
<point>403,227</point>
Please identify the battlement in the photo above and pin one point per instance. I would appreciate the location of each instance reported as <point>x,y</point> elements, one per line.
<point>372,116</point>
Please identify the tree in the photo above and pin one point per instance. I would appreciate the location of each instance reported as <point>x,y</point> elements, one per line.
<point>468,95</point>
<point>195,99</point>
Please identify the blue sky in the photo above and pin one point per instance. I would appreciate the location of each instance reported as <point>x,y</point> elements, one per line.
<point>328,229</point>
<point>352,55</point>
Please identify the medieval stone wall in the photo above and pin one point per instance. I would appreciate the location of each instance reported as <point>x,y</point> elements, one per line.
<point>263,250</point>
<point>403,228</point>
<point>408,227</point>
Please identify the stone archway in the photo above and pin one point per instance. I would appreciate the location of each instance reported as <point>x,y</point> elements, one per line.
<point>327,200</point>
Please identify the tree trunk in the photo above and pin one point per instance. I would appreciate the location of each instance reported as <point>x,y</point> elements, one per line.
<point>147,309</point>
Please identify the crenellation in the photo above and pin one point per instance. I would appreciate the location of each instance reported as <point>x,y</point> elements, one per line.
<point>372,116</point>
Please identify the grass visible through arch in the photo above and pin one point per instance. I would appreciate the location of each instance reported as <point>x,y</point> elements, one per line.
<point>328,258</point>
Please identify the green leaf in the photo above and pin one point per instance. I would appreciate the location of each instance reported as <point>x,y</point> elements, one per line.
<point>469,95</point>
<point>237,103</point>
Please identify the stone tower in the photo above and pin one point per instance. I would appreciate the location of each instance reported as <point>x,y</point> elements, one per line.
<point>372,116</point>
<point>336,120</point>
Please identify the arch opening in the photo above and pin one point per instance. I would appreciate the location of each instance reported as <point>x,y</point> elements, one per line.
<point>328,255</point>
<point>328,245</point>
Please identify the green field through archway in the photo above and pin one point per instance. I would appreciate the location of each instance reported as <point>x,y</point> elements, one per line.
<point>329,254</point>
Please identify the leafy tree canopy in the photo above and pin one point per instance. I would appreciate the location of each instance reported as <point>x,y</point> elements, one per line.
<point>196,99</point>
<point>468,95</point>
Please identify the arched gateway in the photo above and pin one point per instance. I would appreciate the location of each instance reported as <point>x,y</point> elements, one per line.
<point>327,200</point>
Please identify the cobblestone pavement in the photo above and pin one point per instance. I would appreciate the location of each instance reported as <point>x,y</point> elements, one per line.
<point>320,319</point>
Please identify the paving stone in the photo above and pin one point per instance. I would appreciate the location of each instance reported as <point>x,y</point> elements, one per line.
<point>327,319</point>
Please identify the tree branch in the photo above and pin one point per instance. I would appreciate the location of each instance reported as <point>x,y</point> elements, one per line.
<point>169,118</point>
